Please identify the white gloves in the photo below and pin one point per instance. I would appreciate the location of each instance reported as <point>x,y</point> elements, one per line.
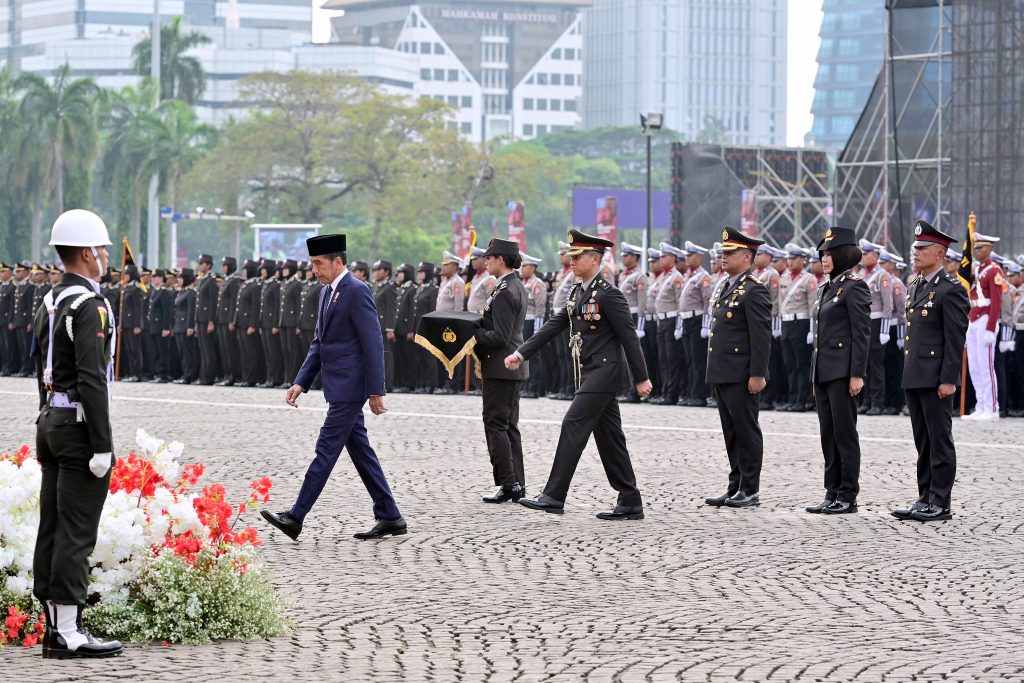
<point>678,333</point>
<point>900,343</point>
<point>883,338</point>
<point>640,333</point>
<point>1002,347</point>
<point>1008,346</point>
<point>538,323</point>
<point>988,338</point>
<point>810,337</point>
<point>704,332</point>
<point>100,464</point>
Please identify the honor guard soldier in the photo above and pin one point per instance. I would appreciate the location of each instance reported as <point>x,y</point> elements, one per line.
<point>536,310</point>
<point>883,310</point>
<point>159,321</point>
<point>840,332</point>
<point>937,308</point>
<point>952,262</point>
<point>6,309</point>
<point>227,331</point>
<point>986,303</point>
<point>739,344</point>
<point>41,283</point>
<point>451,296</point>
<point>766,274</point>
<point>405,319</point>
<point>424,302</point>
<point>1013,346</point>
<point>361,271</point>
<point>247,324</point>
<point>798,289</point>
<point>561,387</point>
<point>75,335</point>
<point>666,310</point>
<point>500,334</point>
<point>133,310</point>
<point>292,354</point>
<point>894,400</point>
<point>309,311</point>
<point>21,320</point>
<point>693,324</point>
<point>386,298</point>
<point>649,341</point>
<point>206,320</point>
<point>185,327</point>
<point>604,350</point>
<point>270,318</point>
<point>633,285</point>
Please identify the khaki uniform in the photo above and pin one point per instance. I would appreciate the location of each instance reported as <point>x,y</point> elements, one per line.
<point>883,314</point>
<point>797,293</point>
<point>451,295</point>
<point>694,300</point>
<point>479,290</point>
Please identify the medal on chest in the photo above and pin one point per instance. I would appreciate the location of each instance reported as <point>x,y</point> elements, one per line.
<point>591,310</point>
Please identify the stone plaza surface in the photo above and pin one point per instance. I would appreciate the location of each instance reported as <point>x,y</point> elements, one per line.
<point>480,592</point>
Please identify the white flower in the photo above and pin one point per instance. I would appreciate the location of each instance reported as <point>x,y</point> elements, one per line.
<point>19,585</point>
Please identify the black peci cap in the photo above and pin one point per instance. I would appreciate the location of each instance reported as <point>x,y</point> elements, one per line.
<point>325,244</point>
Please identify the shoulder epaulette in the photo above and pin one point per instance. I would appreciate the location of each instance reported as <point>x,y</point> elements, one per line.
<point>854,276</point>
<point>603,283</point>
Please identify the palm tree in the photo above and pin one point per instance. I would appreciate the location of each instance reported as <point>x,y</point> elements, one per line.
<point>60,132</point>
<point>132,122</point>
<point>179,142</point>
<point>181,76</point>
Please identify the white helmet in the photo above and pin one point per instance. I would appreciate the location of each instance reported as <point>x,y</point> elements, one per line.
<point>79,228</point>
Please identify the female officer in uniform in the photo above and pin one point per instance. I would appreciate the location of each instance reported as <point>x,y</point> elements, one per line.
<point>840,334</point>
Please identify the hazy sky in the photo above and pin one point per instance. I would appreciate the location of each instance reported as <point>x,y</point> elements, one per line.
<point>804,21</point>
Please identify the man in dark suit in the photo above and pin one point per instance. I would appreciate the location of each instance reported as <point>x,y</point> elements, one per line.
<point>933,349</point>
<point>739,344</point>
<point>348,352</point>
<point>603,347</point>
<point>501,333</point>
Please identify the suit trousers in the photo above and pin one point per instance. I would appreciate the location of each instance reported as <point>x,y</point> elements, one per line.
<point>209,367</point>
<point>875,394</point>
<point>188,352</point>
<point>227,347</point>
<point>649,344</point>
<point>797,360</point>
<point>501,427</point>
<point>345,428</point>
<point>837,421</point>
<point>697,355</point>
<point>668,360</point>
<point>738,410</point>
<point>70,503</point>
<point>931,419</point>
<point>596,414</point>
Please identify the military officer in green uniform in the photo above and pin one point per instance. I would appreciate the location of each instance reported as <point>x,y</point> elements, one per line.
<point>74,334</point>
<point>604,351</point>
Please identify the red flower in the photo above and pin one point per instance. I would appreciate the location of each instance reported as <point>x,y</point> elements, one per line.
<point>135,474</point>
<point>262,488</point>
<point>30,640</point>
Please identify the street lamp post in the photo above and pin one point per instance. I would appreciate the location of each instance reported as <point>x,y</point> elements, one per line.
<point>649,124</point>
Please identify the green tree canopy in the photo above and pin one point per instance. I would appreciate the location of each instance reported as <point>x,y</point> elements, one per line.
<point>181,74</point>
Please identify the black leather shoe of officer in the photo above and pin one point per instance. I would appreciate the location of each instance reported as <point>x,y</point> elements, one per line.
<point>55,646</point>
<point>863,409</point>
<point>623,512</point>
<point>932,513</point>
<point>904,513</point>
<point>815,509</point>
<point>528,394</point>
<point>718,501</point>
<point>840,507</point>
<point>742,499</point>
<point>766,406</point>
<point>504,493</point>
<point>384,527</point>
<point>891,410</point>
<point>545,503</point>
<point>284,521</point>
<point>873,411</point>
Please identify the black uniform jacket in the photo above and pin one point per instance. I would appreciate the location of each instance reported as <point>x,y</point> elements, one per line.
<point>133,308</point>
<point>206,306</point>
<point>227,299</point>
<point>309,307</point>
<point>740,339</point>
<point>385,295</point>
<point>247,310</point>
<point>161,311</point>
<point>601,316</point>
<point>270,304</point>
<point>81,354</point>
<point>842,329</point>
<point>184,310</point>
<point>933,350</point>
<point>502,330</point>
<point>406,320</point>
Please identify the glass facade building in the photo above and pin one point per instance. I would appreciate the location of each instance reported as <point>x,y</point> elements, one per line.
<point>690,60</point>
<point>852,48</point>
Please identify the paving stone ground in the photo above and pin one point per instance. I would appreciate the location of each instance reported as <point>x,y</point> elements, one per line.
<point>499,593</point>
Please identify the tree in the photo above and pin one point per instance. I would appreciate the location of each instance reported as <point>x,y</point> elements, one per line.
<point>60,133</point>
<point>181,75</point>
<point>713,131</point>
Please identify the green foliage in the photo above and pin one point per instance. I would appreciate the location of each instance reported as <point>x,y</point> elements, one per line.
<point>181,76</point>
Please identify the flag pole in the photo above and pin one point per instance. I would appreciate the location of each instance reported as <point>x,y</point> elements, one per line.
<point>965,273</point>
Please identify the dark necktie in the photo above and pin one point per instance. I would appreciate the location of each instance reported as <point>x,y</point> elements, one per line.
<point>327,302</point>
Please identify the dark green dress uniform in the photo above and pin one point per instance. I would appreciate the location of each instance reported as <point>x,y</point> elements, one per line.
<point>73,426</point>
<point>227,332</point>
<point>270,318</point>
<point>605,351</point>
<point>160,319</point>
<point>933,350</point>
<point>247,326</point>
<point>501,333</point>
<point>405,321</point>
<point>133,312</point>
<point>21,318</point>
<point>739,345</point>
<point>206,313</point>
<point>841,325</point>
<point>291,305</point>
<point>385,296</point>
<point>425,301</point>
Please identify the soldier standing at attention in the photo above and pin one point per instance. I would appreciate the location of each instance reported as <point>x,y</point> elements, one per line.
<point>270,318</point>
<point>500,333</point>
<point>227,331</point>
<point>6,308</point>
<point>159,321</point>
<point>666,309</point>
<point>650,337</point>
<point>633,285</point>
<point>385,297</point>
<point>766,274</point>
<point>132,310</point>
<point>883,310</point>
<point>291,302</point>
<point>405,318</point>
<point>693,323</point>
<point>560,386</point>
<point>75,333</point>
<point>21,320</point>
<point>184,327</point>
<point>451,296</point>
<point>206,326</point>
<point>797,291</point>
<point>739,345</point>
<point>424,302</point>
<point>602,343</point>
<point>986,304</point>
<point>536,311</point>
<point>937,308</point>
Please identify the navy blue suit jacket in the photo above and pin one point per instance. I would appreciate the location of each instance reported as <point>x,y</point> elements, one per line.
<point>348,347</point>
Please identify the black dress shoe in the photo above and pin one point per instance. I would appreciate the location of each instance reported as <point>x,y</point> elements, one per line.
<point>159,380</point>
<point>401,390</point>
<point>905,513</point>
<point>718,501</point>
<point>797,408</point>
<point>873,412</point>
<point>712,403</point>
<point>225,383</point>
<point>932,513</point>
<point>840,507</point>
<point>528,394</point>
<point>766,406</point>
<point>862,410</point>
<point>623,512</point>
<point>284,521</point>
<point>820,507</point>
<point>180,380</point>
<point>742,499</point>
<point>384,527</point>
<point>782,407</point>
<point>55,646</point>
<point>504,493</point>
<point>891,410</point>
<point>545,503</point>
<point>242,385</point>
